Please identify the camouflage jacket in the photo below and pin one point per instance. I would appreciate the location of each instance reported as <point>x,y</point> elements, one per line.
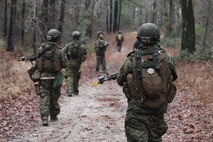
<point>119,38</point>
<point>75,53</point>
<point>100,46</point>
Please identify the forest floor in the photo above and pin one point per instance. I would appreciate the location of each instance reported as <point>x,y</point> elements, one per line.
<point>97,113</point>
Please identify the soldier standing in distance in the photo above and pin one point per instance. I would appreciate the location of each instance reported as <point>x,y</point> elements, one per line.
<point>147,78</point>
<point>75,52</point>
<point>100,49</point>
<point>119,39</point>
<point>50,63</point>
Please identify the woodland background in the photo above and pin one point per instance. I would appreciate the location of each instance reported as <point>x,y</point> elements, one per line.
<point>186,33</point>
<point>24,23</point>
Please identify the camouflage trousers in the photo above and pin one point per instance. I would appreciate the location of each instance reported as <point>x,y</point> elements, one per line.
<point>73,76</point>
<point>119,45</point>
<point>100,61</point>
<point>142,126</point>
<point>49,105</point>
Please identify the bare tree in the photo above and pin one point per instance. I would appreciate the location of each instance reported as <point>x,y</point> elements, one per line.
<point>10,38</point>
<point>154,14</point>
<point>22,22</point>
<point>188,26</point>
<point>115,22</point>
<point>207,21</point>
<point>52,15</point>
<point>61,18</point>
<point>44,18</point>
<point>5,19</point>
<point>171,15</point>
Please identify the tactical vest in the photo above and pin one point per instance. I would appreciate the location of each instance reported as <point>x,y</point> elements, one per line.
<point>49,59</point>
<point>151,78</point>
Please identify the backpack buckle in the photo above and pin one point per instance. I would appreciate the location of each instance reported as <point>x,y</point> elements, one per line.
<point>150,71</point>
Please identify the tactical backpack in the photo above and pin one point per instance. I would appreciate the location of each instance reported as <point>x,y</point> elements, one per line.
<point>151,78</point>
<point>49,59</point>
<point>74,50</point>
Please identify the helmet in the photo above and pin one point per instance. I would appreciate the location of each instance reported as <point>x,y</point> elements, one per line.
<point>53,35</point>
<point>119,32</point>
<point>100,32</point>
<point>149,34</point>
<point>76,35</point>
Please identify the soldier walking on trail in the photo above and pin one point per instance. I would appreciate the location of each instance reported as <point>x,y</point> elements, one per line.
<point>100,48</point>
<point>147,78</point>
<point>119,39</point>
<point>49,64</point>
<point>75,52</point>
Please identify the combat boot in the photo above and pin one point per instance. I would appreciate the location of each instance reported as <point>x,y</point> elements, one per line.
<point>70,94</point>
<point>53,118</point>
<point>75,93</point>
<point>45,121</point>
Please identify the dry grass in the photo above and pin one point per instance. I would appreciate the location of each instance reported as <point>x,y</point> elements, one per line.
<point>196,77</point>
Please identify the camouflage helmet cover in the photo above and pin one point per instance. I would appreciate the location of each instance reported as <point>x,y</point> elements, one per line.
<point>100,32</point>
<point>53,35</point>
<point>148,34</point>
<point>76,35</point>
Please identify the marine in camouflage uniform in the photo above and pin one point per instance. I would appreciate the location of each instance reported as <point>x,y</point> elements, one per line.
<point>49,94</point>
<point>75,52</point>
<point>142,123</point>
<point>119,39</point>
<point>100,48</point>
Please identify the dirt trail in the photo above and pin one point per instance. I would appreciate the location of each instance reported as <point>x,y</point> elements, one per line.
<point>98,113</point>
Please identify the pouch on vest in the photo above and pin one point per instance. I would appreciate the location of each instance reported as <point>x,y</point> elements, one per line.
<point>34,74</point>
<point>57,83</point>
<point>171,93</point>
<point>50,61</point>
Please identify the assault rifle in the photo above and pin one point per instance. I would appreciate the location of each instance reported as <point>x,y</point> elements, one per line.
<point>28,58</point>
<point>103,78</point>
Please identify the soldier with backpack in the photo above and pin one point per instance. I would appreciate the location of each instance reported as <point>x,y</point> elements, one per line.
<point>100,49</point>
<point>75,52</point>
<point>119,39</point>
<point>147,78</point>
<point>49,64</point>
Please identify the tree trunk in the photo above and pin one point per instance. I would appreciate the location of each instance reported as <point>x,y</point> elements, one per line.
<point>22,22</point>
<point>107,17</point>
<point>115,24</point>
<point>34,28</point>
<point>110,16</point>
<point>154,15</point>
<point>52,15</point>
<point>44,19</point>
<point>5,19</point>
<point>188,26</point>
<point>61,18</point>
<point>119,14</point>
<point>171,15</point>
<point>10,44</point>
<point>207,22</point>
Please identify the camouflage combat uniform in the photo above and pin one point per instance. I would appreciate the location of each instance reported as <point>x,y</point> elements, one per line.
<point>119,39</point>
<point>142,124</point>
<point>76,54</point>
<point>100,48</point>
<point>49,105</point>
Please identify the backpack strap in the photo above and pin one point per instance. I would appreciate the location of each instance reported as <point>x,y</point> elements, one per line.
<point>137,73</point>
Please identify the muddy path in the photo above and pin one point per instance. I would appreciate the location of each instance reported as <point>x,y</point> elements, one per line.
<point>97,114</point>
